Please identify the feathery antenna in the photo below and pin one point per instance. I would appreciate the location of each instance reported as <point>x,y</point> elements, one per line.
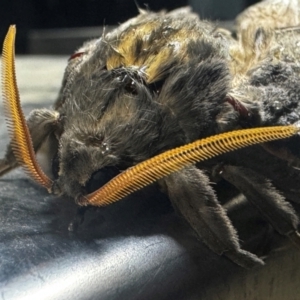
<point>20,137</point>
<point>159,166</point>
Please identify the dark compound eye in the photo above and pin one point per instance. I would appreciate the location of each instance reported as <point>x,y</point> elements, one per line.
<point>77,54</point>
<point>101,177</point>
<point>131,88</point>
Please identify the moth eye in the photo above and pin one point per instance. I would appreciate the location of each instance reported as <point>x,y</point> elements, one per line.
<point>131,88</point>
<point>101,177</point>
<point>77,54</point>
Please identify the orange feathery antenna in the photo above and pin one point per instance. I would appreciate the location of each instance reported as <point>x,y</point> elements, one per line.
<point>157,167</point>
<point>16,123</point>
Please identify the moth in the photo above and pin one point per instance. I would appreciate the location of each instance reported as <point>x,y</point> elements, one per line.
<point>153,99</point>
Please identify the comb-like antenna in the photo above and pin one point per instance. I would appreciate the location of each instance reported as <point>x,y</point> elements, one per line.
<point>20,137</point>
<point>173,160</point>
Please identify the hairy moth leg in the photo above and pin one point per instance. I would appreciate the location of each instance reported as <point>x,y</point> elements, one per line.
<point>260,192</point>
<point>191,194</point>
<point>41,123</point>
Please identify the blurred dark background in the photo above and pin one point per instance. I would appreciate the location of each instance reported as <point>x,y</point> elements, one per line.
<point>33,17</point>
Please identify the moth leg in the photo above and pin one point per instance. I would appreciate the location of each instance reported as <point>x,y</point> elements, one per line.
<point>260,192</point>
<point>41,123</point>
<point>191,194</point>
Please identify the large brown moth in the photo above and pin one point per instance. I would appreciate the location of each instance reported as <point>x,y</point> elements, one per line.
<point>153,99</point>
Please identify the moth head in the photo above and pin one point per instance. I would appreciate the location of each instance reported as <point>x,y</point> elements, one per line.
<point>111,122</point>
